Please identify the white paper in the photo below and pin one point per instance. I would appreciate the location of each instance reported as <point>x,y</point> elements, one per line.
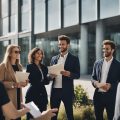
<point>34,111</point>
<point>21,76</point>
<point>56,69</point>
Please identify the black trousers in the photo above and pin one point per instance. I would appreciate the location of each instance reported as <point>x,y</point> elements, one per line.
<point>55,100</point>
<point>104,101</point>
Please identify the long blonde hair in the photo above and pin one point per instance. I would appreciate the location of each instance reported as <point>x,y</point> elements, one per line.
<point>6,59</point>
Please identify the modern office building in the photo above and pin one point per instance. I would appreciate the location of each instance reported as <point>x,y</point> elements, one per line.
<point>31,23</point>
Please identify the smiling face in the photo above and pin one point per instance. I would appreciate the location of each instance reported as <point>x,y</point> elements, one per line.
<point>63,46</point>
<point>38,56</point>
<point>107,51</point>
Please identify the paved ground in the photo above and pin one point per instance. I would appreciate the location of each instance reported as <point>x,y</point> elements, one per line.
<point>84,81</point>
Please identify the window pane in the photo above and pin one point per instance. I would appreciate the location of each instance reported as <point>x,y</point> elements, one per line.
<point>5,26</point>
<point>4,5</point>
<point>54,14</point>
<point>71,14</point>
<point>109,8</point>
<point>12,23</point>
<point>24,44</point>
<point>25,21</point>
<point>25,12</point>
<point>13,19</point>
<point>89,10</point>
<point>13,7</point>
<point>3,46</point>
<point>39,10</point>
<point>50,47</point>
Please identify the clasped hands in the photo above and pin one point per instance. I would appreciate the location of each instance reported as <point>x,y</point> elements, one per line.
<point>104,86</point>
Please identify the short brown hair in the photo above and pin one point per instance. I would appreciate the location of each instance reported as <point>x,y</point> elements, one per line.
<point>64,37</point>
<point>109,42</point>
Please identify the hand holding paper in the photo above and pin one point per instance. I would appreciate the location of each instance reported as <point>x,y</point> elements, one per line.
<point>21,76</point>
<point>56,69</point>
<point>34,111</point>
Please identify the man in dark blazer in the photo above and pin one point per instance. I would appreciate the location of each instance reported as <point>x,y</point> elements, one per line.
<point>62,87</point>
<point>105,78</point>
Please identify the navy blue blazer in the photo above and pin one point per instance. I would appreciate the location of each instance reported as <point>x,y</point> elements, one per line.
<point>113,75</point>
<point>71,64</point>
<point>35,76</point>
<point>37,91</point>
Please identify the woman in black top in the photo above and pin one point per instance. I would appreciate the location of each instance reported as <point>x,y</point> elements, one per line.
<point>38,79</point>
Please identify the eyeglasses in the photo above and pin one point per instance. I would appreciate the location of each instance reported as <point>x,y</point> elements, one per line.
<point>17,52</point>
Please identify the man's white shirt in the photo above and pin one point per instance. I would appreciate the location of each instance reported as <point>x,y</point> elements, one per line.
<point>58,79</point>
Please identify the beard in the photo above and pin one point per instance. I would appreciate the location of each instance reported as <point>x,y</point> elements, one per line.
<point>63,50</point>
<point>107,54</point>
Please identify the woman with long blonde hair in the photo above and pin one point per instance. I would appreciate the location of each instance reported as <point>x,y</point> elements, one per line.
<point>8,67</point>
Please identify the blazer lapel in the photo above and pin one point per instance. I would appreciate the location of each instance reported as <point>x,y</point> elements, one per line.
<point>100,70</point>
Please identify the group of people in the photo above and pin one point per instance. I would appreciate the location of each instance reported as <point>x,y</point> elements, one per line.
<point>105,79</point>
<point>62,87</point>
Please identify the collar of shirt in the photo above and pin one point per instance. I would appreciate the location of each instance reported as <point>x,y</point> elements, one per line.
<point>108,61</point>
<point>64,56</point>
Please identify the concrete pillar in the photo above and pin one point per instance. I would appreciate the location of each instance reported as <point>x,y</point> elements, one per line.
<point>84,49</point>
<point>99,39</point>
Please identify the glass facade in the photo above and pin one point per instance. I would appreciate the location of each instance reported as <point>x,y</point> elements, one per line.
<point>54,14</point>
<point>31,23</point>
<point>50,46</point>
<point>39,13</point>
<point>25,15</point>
<point>116,38</point>
<point>109,8</point>
<point>4,16</point>
<point>71,12</point>
<point>24,44</point>
<point>13,20</point>
<point>3,46</point>
<point>89,13</point>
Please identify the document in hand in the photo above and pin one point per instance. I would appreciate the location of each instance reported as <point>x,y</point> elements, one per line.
<point>56,69</point>
<point>34,111</point>
<point>21,76</point>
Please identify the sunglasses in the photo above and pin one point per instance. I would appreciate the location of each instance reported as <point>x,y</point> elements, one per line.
<point>17,52</point>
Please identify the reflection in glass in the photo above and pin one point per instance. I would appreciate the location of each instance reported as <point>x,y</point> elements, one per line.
<point>24,44</point>
<point>71,14</point>
<point>13,6</point>
<point>25,9</point>
<point>5,25</point>
<point>116,38</point>
<point>4,5</point>
<point>50,47</point>
<point>12,23</point>
<point>3,46</point>
<point>39,12</point>
<point>54,14</point>
<point>89,10</point>
<point>109,8</point>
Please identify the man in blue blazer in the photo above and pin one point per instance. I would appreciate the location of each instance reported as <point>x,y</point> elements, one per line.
<point>105,78</point>
<point>62,87</point>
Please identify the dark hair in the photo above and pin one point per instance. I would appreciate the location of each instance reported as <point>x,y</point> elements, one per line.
<point>64,37</point>
<point>109,42</point>
<point>32,53</point>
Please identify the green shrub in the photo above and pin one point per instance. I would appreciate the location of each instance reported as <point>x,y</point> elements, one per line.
<point>88,113</point>
<point>81,97</point>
